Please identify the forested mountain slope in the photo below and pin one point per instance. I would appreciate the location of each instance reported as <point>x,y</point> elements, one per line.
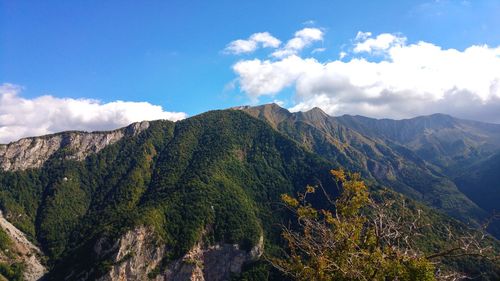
<point>443,140</point>
<point>464,151</point>
<point>199,198</point>
<point>481,183</point>
<point>386,151</point>
<point>215,177</point>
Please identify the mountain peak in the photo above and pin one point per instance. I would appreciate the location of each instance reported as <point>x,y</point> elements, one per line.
<point>271,112</point>
<point>436,117</point>
<point>313,115</point>
<point>270,107</point>
<point>316,112</point>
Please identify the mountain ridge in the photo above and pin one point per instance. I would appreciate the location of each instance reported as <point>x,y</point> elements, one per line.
<point>212,180</point>
<point>32,152</point>
<point>352,146</point>
<point>400,153</point>
<point>223,169</point>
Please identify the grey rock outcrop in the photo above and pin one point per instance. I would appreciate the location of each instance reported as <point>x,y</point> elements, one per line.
<point>22,250</point>
<point>33,152</point>
<point>139,258</point>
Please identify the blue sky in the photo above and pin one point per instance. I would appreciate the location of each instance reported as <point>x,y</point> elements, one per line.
<point>171,53</point>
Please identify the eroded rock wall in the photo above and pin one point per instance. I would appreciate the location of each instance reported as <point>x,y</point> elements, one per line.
<point>138,257</point>
<point>22,250</point>
<point>33,152</point>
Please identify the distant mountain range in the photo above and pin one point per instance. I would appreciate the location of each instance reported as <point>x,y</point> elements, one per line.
<point>198,199</point>
<point>446,162</point>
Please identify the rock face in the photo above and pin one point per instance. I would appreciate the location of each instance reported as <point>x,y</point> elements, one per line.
<point>139,258</point>
<point>33,152</point>
<point>23,250</point>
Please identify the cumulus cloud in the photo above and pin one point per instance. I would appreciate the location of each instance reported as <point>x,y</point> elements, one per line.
<point>22,117</point>
<point>381,43</point>
<point>302,39</point>
<point>258,78</point>
<point>256,40</point>
<point>410,79</point>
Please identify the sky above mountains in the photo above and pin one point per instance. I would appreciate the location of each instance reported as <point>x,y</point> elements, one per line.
<point>94,65</point>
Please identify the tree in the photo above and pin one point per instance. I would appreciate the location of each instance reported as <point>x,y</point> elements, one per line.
<point>358,239</point>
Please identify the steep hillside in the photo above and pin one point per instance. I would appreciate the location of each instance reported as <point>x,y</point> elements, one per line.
<point>377,157</point>
<point>481,183</point>
<point>467,152</point>
<point>198,199</point>
<point>214,179</point>
<point>19,258</point>
<point>443,140</point>
<point>33,152</point>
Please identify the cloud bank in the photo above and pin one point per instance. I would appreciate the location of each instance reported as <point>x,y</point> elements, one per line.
<point>382,76</point>
<point>22,117</point>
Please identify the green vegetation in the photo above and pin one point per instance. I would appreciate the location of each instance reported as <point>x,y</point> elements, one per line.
<point>376,236</point>
<point>346,244</point>
<point>481,183</point>
<point>13,272</point>
<point>218,176</point>
<point>9,270</point>
<point>5,242</point>
<point>386,152</point>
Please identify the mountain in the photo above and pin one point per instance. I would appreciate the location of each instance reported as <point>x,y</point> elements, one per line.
<point>389,151</point>
<point>35,151</point>
<point>19,257</point>
<point>481,183</point>
<point>466,152</point>
<point>442,140</point>
<point>214,179</point>
<point>199,199</point>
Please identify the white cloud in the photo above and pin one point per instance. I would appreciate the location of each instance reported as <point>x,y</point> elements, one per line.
<point>309,34</point>
<point>409,80</point>
<point>362,35</point>
<point>381,43</point>
<point>22,117</point>
<point>258,78</point>
<point>302,39</point>
<point>240,46</point>
<point>266,39</point>
<point>280,102</point>
<point>318,50</point>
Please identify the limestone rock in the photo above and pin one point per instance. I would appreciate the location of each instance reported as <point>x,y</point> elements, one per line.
<point>137,256</point>
<point>34,151</point>
<point>23,251</point>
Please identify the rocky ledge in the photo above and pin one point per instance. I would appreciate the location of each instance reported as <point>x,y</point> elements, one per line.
<point>33,152</point>
<point>22,250</point>
<point>138,258</point>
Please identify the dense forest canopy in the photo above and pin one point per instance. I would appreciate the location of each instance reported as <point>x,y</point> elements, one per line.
<point>217,177</point>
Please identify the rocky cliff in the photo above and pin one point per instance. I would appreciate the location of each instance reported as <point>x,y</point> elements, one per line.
<point>33,152</point>
<point>138,257</point>
<point>21,250</point>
